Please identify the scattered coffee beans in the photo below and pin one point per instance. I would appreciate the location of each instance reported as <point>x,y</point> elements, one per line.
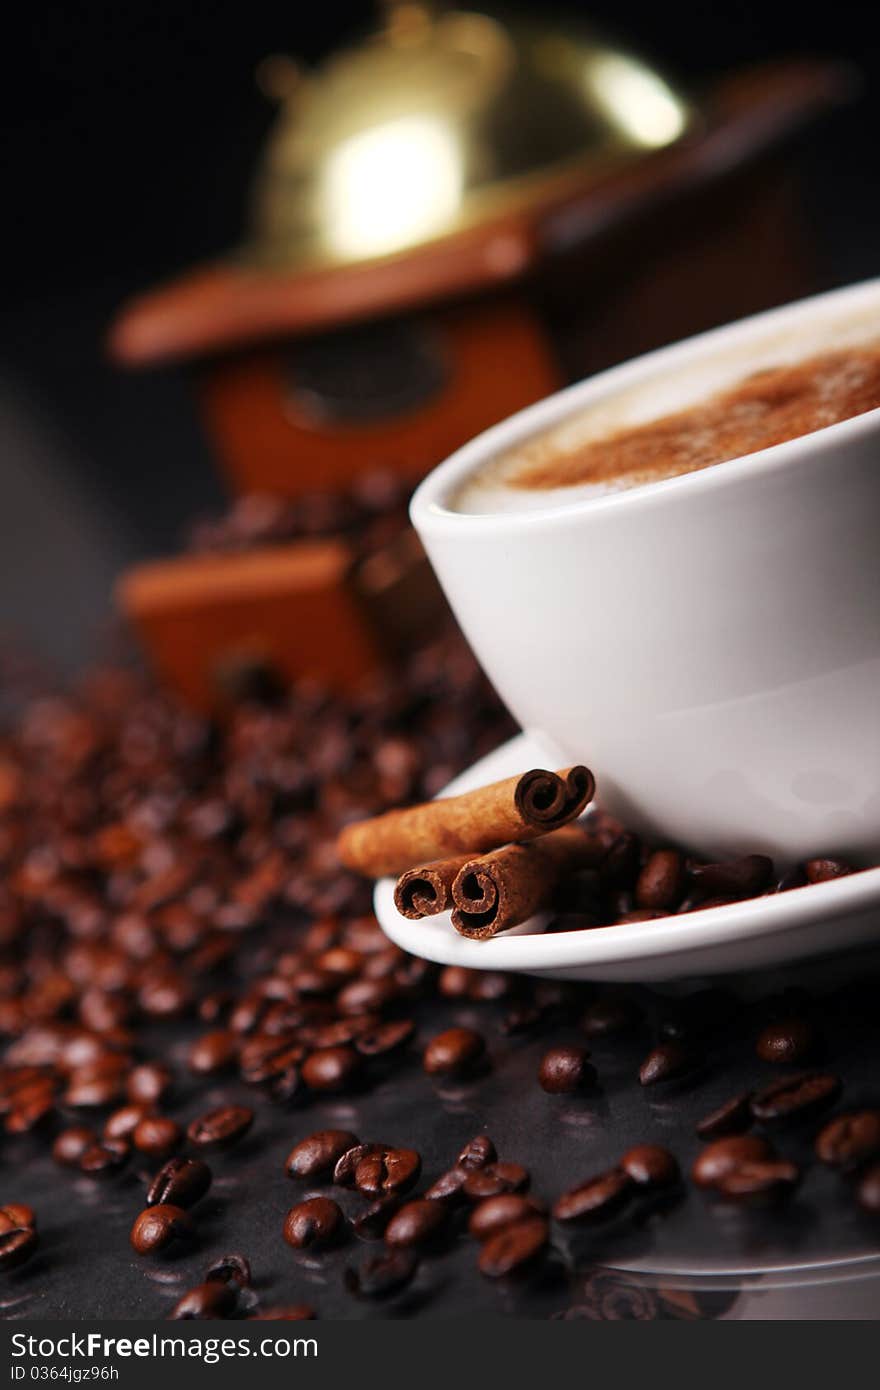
<point>220,1128</point>
<point>724,1155</point>
<point>417,1223</point>
<point>493,1180</point>
<point>314,1223</point>
<point>494,1213</point>
<point>209,1300</point>
<point>666,1062</point>
<point>790,1041</point>
<point>319,1152</point>
<point>181,1182</point>
<point>734,1116</point>
<point>564,1070</point>
<point>159,1226</point>
<point>649,1165</point>
<point>514,1248</point>
<point>795,1097</point>
<point>454,1053</point>
<point>850,1140</point>
<point>595,1199</point>
<point>477,1153</point>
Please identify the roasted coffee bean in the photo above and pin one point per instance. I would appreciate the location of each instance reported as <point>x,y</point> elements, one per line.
<point>157,1136</point>
<point>71,1144</point>
<point>489,986</point>
<point>370,1224</point>
<point>868,1190</point>
<point>619,866</point>
<point>338,1033</point>
<point>105,1157</point>
<point>724,1155</point>
<point>513,1248</point>
<point>220,1128</point>
<point>165,995</point>
<point>98,1083</point>
<point>209,1300</point>
<point>124,1121</point>
<point>159,1226</point>
<point>595,1199</point>
<point>495,1213</point>
<point>341,961</point>
<point>264,1059</point>
<point>822,870</point>
<point>737,878</point>
<point>795,1097</point>
<point>345,1169</point>
<point>213,1052</point>
<point>666,1062</point>
<point>734,1116</point>
<point>383,1275</point>
<point>495,1179</point>
<point>848,1141</point>
<point>788,1041</point>
<point>231,1269</point>
<point>454,982</point>
<point>179,1183</point>
<point>449,1187</point>
<point>649,1165</point>
<point>34,1107</point>
<point>417,1223</point>
<point>759,1182</point>
<point>313,1224</point>
<point>319,1152</point>
<point>16,1246</point>
<point>384,1170</point>
<point>312,983</point>
<point>564,1070</point>
<point>385,1038</point>
<point>455,1053</point>
<point>366,996</point>
<point>477,1153</point>
<point>610,1016</point>
<point>17,1215</point>
<point>660,884</point>
<point>332,1069</point>
<point>150,1082</point>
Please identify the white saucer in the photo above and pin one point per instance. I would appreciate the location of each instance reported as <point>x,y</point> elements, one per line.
<point>757,934</point>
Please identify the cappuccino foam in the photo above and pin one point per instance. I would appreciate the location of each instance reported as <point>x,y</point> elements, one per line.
<point>627,439</point>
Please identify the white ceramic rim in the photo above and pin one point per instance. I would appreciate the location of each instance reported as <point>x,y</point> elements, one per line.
<point>707,927</point>
<point>431,516</point>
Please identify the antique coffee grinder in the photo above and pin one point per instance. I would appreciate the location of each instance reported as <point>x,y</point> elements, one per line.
<point>450,220</point>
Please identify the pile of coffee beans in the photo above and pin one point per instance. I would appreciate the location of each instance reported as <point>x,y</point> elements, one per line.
<point>164,877</point>
<point>369,514</point>
<point>633,882</point>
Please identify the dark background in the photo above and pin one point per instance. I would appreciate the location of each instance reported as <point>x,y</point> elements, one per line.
<point>130,131</point>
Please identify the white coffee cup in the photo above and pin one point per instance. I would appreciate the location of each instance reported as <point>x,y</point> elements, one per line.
<point>709,644</point>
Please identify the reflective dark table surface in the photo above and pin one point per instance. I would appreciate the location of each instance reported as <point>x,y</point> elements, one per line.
<point>685,1257</point>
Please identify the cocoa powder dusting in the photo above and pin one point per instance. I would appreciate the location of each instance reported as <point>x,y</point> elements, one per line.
<point>766,408</point>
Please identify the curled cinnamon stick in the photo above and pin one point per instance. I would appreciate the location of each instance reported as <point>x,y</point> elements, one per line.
<point>427,890</point>
<point>516,809</point>
<point>502,889</point>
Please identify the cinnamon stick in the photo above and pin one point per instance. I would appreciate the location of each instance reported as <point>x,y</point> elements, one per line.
<point>511,811</point>
<point>499,890</point>
<point>427,890</point>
